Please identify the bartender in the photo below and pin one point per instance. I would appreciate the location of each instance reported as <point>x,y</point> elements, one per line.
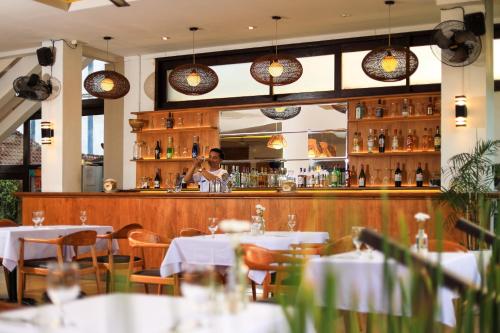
<point>201,175</point>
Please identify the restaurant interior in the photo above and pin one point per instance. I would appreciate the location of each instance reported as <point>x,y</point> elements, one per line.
<point>256,166</point>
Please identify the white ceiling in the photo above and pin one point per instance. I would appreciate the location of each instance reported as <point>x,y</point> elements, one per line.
<point>138,29</point>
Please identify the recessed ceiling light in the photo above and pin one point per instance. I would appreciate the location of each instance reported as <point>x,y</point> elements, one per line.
<point>165,38</point>
<point>345,15</point>
<point>251,27</point>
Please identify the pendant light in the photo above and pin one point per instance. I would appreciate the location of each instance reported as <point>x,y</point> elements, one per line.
<point>107,84</point>
<point>193,79</point>
<point>281,112</point>
<point>277,141</point>
<point>390,63</point>
<point>276,69</point>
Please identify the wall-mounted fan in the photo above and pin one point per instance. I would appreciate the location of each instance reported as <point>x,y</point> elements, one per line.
<point>32,87</point>
<point>454,45</point>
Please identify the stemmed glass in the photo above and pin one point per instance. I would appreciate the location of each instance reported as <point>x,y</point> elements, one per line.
<point>38,216</point>
<point>291,222</point>
<point>212,225</point>
<point>83,217</point>
<point>62,286</point>
<point>356,231</point>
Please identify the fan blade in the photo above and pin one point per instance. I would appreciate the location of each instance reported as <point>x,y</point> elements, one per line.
<point>461,54</point>
<point>441,40</point>
<point>120,3</point>
<point>462,36</point>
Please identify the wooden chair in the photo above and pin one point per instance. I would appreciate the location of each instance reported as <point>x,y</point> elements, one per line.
<point>445,246</point>
<point>139,240</point>
<point>40,266</point>
<point>4,223</point>
<point>341,245</point>
<point>283,262</point>
<point>191,232</point>
<point>108,261</point>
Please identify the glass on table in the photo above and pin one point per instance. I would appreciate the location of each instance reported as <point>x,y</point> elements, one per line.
<point>212,226</point>
<point>63,286</point>
<point>292,221</point>
<point>355,233</point>
<point>38,216</point>
<point>83,217</point>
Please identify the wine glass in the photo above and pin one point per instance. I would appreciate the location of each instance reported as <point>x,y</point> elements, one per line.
<point>212,225</point>
<point>356,231</point>
<point>38,216</point>
<point>198,287</point>
<point>291,221</point>
<point>62,286</point>
<point>83,217</point>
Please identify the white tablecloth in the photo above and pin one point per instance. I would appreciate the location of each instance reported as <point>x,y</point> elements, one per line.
<point>314,237</point>
<point>218,251</point>
<point>359,281</point>
<point>134,313</point>
<point>9,241</point>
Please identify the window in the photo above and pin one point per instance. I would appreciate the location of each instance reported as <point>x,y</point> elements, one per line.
<point>92,135</point>
<point>11,148</point>
<point>35,142</point>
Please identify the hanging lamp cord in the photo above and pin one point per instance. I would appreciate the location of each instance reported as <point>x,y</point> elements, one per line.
<point>390,26</point>
<point>194,57</point>
<point>276,38</point>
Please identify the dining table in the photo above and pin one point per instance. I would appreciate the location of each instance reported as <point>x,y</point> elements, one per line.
<point>218,250</point>
<point>359,279</point>
<point>139,313</point>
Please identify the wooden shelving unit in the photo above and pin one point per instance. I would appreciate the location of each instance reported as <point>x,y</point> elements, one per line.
<point>395,153</point>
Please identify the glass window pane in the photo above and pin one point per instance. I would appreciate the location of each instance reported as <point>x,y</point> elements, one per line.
<point>92,135</point>
<point>11,148</point>
<point>429,67</point>
<point>353,76</point>
<point>35,142</point>
<point>496,59</point>
<point>9,204</point>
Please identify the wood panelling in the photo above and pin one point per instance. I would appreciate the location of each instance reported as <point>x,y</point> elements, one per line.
<point>167,214</point>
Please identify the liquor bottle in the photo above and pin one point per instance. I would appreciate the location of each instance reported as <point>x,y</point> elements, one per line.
<point>309,178</point>
<point>352,176</point>
<point>437,140</point>
<point>355,143</point>
<point>416,141</point>
<point>195,151</point>
<point>371,141</point>
<point>375,140</point>
<point>381,142</point>
<point>170,147</point>
<point>419,175</point>
<point>360,111</point>
<point>347,176</point>
<point>157,150</point>
<point>398,176</point>
<point>183,181</point>
<point>425,140</point>
<point>362,177</point>
<point>237,177</point>
<point>157,180</point>
<point>395,141</point>
<point>379,109</point>
<point>405,112</point>
<point>430,107</point>
<point>170,120</point>
<point>334,177</point>
<point>300,178</point>
<point>409,141</point>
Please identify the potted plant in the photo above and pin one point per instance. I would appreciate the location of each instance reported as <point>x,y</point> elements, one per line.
<point>471,177</point>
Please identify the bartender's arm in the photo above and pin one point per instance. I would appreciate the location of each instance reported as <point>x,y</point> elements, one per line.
<point>194,168</point>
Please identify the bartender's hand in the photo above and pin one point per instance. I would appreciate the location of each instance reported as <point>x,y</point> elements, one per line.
<point>198,161</point>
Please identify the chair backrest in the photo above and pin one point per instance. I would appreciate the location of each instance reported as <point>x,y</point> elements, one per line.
<point>80,238</point>
<point>190,232</point>
<point>341,245</point>
<point>4,223</point>
<point>258,258</point>
<point>146,238</point>
<point>445,246</point>
<point>123,232</point>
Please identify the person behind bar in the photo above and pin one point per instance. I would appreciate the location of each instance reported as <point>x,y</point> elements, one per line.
<point>202,176</point>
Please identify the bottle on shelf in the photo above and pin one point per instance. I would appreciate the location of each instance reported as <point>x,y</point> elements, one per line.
<point>355,143</point>
<point>409,141</point>
<point>395,141</point>
<point>437,140</point>
<point>381,142</point>
<point>419,175</point>
<point>370,140</point>
<point>375,140</point>
<point>430,107</point>
<point>405,112</point>
<point>170,147</point>
<point>195,151</point>
<point>334,179</point>
<point>157,150</point>
<point>416,141</point>
<point>398,176</point>
<point>300,178</point>
<point>170,120</point>
<point>157,179</point>
<point>362,177</point>
<point>359,111</point>
<point>425,140</point>
<point>347,176</point>
<point>379,109</point>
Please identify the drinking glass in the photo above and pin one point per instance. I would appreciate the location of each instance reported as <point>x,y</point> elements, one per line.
<point>291,221</point>
<point>179,122</point>
<point>83,217</point>
<point>37,217</point>
<point>62,286</point>
<point>356,231</point>
<point>212,225</point>
<point>185,152</point>
<point>198,287</point>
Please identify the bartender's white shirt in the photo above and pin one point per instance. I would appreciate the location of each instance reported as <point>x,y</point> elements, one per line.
<point>203,182</point>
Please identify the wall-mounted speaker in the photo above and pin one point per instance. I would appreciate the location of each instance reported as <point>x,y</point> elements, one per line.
<point>45,56</point>
<point>475,23</point>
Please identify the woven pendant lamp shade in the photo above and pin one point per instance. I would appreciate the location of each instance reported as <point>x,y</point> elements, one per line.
<point>107,84</point>
<point>277,141</point>
<point>281,113</point>
<point>292,69</point>
<point>394,59</point>
<point>178,79</point>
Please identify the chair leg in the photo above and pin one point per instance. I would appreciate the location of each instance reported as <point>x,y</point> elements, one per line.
<point>108,282</point>
<point>160,289</point>
<point>98,281</point>
<point>20,286</point>
<point>6,275</point>
<point>254,292</point>
<point>146,288</point>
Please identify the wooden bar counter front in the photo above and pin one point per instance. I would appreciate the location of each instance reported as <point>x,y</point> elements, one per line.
<point>335,211</point>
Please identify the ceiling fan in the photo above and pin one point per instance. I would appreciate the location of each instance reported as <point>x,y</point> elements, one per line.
<point>66,4</point>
